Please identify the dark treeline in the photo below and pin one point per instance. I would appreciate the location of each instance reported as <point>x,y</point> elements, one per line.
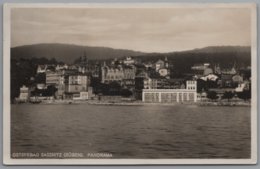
<point>110,89</point>
<point>68,52</point>
<point>183,61</point>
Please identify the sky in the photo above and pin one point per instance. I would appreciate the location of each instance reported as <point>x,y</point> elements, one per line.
<point>140,29</point>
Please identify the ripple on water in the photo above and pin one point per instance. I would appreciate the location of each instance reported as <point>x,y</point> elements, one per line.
<point>133,131</point>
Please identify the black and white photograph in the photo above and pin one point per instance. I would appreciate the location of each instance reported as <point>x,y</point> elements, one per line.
<point>130,83</point>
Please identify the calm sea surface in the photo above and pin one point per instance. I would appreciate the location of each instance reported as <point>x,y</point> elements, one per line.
<point>182,131</point>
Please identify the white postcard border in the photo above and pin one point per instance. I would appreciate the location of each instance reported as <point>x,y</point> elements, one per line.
<point>6,87</point>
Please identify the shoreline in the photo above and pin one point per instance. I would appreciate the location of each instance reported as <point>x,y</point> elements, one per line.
<point>139,103</point>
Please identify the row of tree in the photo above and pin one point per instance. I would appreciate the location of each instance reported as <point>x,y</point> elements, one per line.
<point>111,89</point>
<point>245,95</point>
<point>49,91</point>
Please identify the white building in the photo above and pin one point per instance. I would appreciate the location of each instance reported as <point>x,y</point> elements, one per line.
<point>189,94</point>
<point>61,67</point>
<point>41,68</point>
<point>24,94</point>
<point>159,65</point>
<point>77,83</point>
<point>129,61</point>
<point>242,86</point>
<point>81,96</point>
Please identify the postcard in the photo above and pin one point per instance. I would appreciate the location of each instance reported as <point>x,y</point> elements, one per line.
<point>130,84</point>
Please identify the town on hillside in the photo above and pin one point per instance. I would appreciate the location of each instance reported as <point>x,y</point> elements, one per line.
<point>133,80</point>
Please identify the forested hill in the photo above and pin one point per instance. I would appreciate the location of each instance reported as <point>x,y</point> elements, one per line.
<point>223,55</point>
<point>68,53</point>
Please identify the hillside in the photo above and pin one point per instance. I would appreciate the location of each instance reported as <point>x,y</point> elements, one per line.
<point>223,55</point>
<point>68,53</point>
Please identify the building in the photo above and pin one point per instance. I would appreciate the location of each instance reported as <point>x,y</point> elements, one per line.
<point>149,83</point>
<point>129,83</point>
<point>41,68</point>
<point>129,72</point>
<point>210,77</point>
<point>200,70</point>
<point>237,79</point>
<point>230,71</point>
<point>83,95</point>
<point>80,96</point>
<point>61,67</point>
<point>155,83</point>
<point>162,67</point>
<point>24,94</point>
<point>57,79</point>
<point>200,66</point>
<point>117,73</point>
<point>129,61</point>
<point>243,86</point>
<point>139,83</point>
<point>217,69</point>
<point>207,71</point>
<point>54,77</point>
<point>76,86</point>
<point>161,64</point>
<point>148,65</point>
<point>110,74</point>
<point>77,83</point>
<point>158,82</point>
<point>189,94</point>
<point>95,70</point>
<point>41,86</point>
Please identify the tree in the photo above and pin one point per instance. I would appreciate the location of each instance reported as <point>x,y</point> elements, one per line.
<point>245,95</point>
<point>228,95</point>
<point>211,84</point>
<point>40,78</point>
<point>201,85</point>
<point>126,93</point>
<point>50,91</point>
<point>52,61</point>
<point>103,88</point>
<point>77,60</point>
<point>95,83</point>
<point>212,95</point>
<point>114,88</point>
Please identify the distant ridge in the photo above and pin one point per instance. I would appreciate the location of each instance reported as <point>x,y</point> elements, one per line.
<point>221,49</point>
<point>68,53</point>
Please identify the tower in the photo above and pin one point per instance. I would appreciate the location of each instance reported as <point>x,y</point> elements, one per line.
<point>217,69</point>
<point>166,62</point>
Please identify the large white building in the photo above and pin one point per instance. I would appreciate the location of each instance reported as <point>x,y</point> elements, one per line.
<point>119,73</point>
<point>189,94</point>
<point>77,83</point>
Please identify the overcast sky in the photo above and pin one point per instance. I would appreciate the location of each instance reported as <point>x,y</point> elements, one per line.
<point>147,30</point>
